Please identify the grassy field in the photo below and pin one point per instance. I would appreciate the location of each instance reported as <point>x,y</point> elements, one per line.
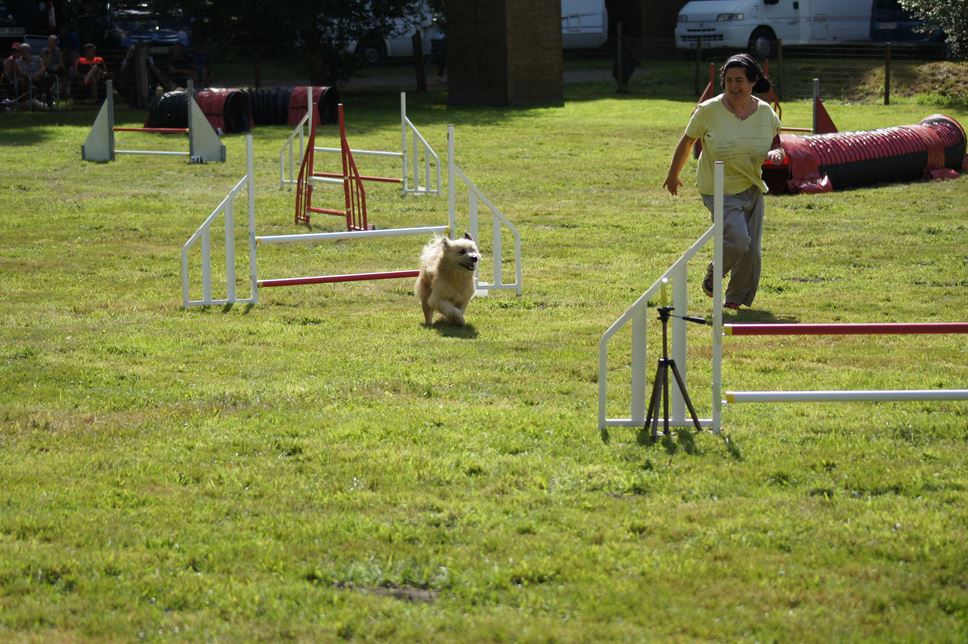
<point>321,466</point>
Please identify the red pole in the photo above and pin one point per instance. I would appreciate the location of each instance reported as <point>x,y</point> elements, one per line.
<point>330,279</point>
<point>885,328</point>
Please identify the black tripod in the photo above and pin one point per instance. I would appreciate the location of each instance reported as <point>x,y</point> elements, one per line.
<point>660,386</point>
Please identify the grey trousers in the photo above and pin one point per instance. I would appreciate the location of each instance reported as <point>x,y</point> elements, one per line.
<point>742,234</point>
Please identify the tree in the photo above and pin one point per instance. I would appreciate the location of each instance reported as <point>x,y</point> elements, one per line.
<point>322,30</point>
<point>951,16</point>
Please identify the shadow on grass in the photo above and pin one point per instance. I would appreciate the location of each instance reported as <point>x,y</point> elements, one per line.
<point>466,332</point>
<point>759,316</point>
<point>681,439</point>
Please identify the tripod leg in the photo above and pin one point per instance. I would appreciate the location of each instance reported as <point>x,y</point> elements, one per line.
<point>665,401</point>
<point>685,394</point>
<point>653,402</point>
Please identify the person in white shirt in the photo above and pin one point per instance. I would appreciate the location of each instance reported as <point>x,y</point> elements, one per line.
<point>738,129</point>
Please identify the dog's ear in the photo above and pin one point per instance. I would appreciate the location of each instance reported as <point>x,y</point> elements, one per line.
<point>468,236</point>
<point>444,243</point>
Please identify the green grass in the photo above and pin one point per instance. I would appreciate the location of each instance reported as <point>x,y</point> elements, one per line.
<point>322,467</point>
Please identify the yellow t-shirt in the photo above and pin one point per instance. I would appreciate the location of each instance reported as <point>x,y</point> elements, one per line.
<point>741,144</point>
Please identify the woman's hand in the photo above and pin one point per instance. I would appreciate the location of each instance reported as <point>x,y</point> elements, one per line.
<point>672,184</point>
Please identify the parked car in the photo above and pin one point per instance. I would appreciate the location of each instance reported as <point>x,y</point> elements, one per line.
<point>134,22</point>
<point>584,24</point>
<point>891,23</point>
<point>757,25</point>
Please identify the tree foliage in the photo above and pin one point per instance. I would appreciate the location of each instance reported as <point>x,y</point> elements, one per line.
<point>321,30</point>
<point>951,16</point>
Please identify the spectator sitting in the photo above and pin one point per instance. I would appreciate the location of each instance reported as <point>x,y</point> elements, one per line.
<point>53,58</point>
<point>90,68</point>
<point>32,74</point>
<point>10,66</point>
<point>179,69</point>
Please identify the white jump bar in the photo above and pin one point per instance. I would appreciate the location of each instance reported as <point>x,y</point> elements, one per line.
<point>162,152</point>
<point>349,234</point>
<point>334,180</point>
<point>836,396</point>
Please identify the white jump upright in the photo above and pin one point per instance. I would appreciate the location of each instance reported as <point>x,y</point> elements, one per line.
<point>203,238</point>
<point>637,313</point>
<point>420,164</point>
<point>204,145</point>
<point>498,223</point>
<point>677,275</point>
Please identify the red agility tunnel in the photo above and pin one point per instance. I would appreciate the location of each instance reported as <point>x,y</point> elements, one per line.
<point>228,110</point>
<point>935,148</point>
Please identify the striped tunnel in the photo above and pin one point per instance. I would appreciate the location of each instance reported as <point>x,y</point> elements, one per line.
<point>935,148</point>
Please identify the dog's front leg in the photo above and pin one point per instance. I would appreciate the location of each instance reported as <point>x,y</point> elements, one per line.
<point>451,313</point>
<point>428,312</point>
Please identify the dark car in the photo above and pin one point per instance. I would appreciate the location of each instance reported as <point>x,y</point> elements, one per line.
<point>133,23</point>
<point>891,23</point>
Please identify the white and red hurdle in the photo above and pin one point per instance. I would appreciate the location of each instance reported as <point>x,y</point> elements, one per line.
<point>203,238</point>
<point>419,163</point>
<point>677,275</point>
<point>204,145</point>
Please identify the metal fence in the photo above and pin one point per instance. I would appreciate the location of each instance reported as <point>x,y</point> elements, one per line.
<point>860,71</point>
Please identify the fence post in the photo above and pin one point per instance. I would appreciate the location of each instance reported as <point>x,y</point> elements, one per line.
<point>779,69</point>
<point>887,75</point>
<point>620,77</point>
<point>695,76</point>
<point>418,61</point>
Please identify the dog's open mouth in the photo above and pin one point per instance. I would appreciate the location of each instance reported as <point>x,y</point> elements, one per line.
<point>469,266</point>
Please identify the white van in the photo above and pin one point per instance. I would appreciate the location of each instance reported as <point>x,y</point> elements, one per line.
<point>584,24</point>
<point>757,25</point>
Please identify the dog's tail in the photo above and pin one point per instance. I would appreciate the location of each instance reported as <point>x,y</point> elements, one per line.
<point>432,251</point>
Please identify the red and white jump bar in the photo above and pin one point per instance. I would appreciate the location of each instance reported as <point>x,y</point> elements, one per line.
<point>886,328</point>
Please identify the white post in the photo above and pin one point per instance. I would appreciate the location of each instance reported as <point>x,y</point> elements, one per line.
<point>229,253</point>
<point>250,173</point>
<point>497,250</point>
<point>717,339</point>
<point>680,304</point>
<point>639,327</point>
<point>403,138</point>
<point>207,264</point>
<point>472,214</point>
<point>451,182</point>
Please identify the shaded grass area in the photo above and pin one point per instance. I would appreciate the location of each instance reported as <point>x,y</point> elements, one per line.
<point>321,466</point>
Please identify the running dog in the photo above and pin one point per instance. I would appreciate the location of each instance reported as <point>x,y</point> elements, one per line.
<point>446,280</point>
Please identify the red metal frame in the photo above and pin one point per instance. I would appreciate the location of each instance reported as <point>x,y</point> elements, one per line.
<point>885,328</point>
<point>154,130</point>
<point>354,194</point>
<point>329,279</point>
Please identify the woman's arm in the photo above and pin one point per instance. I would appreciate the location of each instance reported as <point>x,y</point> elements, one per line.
<point>679,158</point>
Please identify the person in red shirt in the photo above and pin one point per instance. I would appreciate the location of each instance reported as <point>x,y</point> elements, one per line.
<point>90,68</point>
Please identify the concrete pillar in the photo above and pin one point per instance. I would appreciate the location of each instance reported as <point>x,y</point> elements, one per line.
<point>504,52</point>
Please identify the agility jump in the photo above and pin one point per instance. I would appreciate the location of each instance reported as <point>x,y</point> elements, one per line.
<point>420,164</point>
<point>204,145</point>
<point>677,275</point>
<point>203,238</point>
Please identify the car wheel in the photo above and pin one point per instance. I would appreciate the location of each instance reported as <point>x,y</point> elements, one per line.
<point>763,43</point>
<point>372,52</point>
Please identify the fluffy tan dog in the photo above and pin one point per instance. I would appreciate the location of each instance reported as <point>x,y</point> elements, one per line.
<point>446,280</point>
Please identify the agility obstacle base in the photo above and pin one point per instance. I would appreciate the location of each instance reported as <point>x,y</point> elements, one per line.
<point>677,275</point>
<point>203,237</point>
<point>420,164</point>
<point>203,143</point>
